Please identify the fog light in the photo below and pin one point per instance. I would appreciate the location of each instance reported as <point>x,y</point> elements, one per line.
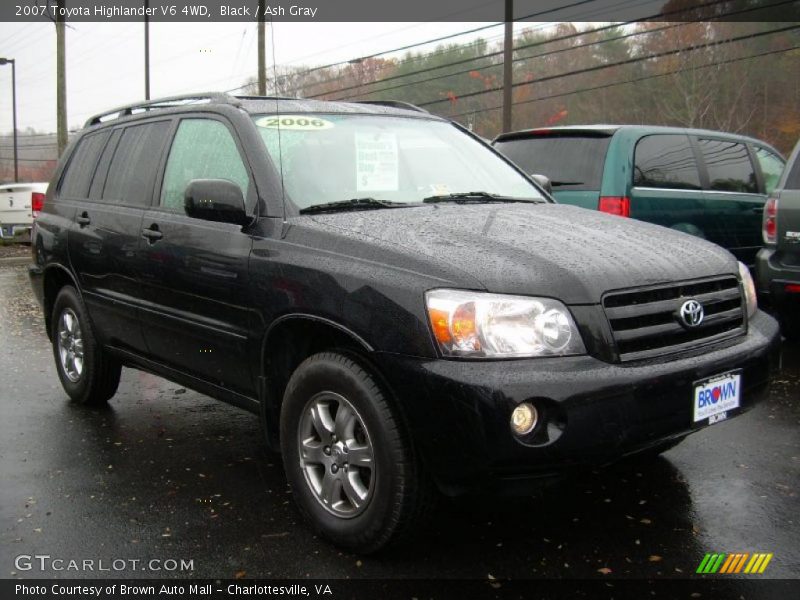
<point>524,418</point>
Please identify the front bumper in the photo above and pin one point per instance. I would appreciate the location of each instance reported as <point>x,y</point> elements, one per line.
<point>459,411</point>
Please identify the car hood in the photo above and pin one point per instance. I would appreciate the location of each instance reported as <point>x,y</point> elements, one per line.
<point>551,250</point>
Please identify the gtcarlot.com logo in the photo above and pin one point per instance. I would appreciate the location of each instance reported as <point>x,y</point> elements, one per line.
<point>45,562</point>
<point>743,562</point>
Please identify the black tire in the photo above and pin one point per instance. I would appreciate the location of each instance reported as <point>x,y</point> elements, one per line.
<point>790,322</point>
<point>400,494</point>
<point>99,376</point>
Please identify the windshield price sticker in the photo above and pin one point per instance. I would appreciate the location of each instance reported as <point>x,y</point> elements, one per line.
<point>377,162</point>
<point>294,122</point>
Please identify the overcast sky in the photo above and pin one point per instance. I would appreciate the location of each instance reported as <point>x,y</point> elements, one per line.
<point>105,61</point>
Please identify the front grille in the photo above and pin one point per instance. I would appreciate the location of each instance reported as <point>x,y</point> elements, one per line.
<point>645,322</point>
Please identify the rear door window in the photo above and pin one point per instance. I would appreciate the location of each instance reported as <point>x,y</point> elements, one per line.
<point>132,170</point>
<point>100,173</point>
<point>665,161</point>
<point>771,167</point>
<point>81,167</point>
<point>729,166</point>
<point>202,149</point>
<point>573,162</point>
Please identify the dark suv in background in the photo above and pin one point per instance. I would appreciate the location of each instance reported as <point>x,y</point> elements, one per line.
<point>406,311</point>
<point>778,263</point>
<point>707,183</point>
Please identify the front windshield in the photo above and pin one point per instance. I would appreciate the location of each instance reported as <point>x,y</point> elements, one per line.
<point>333,157</point>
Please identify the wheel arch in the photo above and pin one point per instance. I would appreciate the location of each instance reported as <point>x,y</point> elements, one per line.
<point>55,277</point>
<point>288,341</point>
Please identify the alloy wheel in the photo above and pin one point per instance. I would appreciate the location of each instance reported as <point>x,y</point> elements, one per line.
<point>70,345</point>
<point>336,455</point>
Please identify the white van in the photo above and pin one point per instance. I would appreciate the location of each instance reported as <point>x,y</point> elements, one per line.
<point>19,205</point>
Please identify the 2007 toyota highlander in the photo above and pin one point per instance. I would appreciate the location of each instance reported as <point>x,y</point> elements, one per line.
<point>405,309</point>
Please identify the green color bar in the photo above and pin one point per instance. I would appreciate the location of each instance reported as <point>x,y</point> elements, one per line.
<point>703,563</point>
<point>710,564</point>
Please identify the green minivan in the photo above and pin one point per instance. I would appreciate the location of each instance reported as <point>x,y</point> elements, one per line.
<point>706,183</point>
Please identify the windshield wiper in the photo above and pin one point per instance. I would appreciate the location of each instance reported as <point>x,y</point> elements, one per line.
<point>352,204</point>
<point>477,197</point>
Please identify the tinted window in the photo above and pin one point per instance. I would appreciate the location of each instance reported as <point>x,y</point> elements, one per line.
<point>101,171</point>
<point>130,176</point>
<point>81,166</point>
<point>202,149</point>
<point>771,167</point>
<point>665,161</point>
<point>571,162</point>
<point>729,166</point>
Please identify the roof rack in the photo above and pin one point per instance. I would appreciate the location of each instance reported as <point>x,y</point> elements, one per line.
<point>252,97</point>
<point>169,102</point>
<point>393,104</point>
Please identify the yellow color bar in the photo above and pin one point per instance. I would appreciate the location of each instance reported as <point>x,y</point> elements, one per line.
<point>764,564</point>
<point>754,564</point>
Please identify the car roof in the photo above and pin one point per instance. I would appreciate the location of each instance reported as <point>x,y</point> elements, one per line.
<point>603,130</point>
<point>257,105</point>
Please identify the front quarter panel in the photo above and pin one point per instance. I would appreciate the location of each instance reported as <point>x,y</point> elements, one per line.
<point>375,293</point>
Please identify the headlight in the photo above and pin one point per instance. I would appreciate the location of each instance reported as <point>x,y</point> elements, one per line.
<point>479,325</point>
<point>749,290</point>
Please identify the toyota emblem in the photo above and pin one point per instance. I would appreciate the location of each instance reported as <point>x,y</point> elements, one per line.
<point>691,313</point>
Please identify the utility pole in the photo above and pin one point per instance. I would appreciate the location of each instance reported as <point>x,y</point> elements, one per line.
<point>13,63</point>
<point>262,57</point>
<point>146,50</point>
<point>508,64</point>
<point>61,83</point>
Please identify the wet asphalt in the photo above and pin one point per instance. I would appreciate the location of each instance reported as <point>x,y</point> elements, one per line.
<point>167,473</point>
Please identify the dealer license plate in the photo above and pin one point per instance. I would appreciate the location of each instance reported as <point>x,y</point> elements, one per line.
<point>716,396</point>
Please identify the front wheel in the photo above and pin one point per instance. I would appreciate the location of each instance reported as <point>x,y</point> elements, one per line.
<point>87,373</point>
<point>347,455</point>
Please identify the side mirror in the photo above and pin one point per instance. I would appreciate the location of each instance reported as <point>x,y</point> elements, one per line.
<point>543,181</point>
<point>215,200</point>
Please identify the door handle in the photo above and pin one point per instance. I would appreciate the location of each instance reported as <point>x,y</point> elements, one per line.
<point>152,234</point>
<point>84,219</point>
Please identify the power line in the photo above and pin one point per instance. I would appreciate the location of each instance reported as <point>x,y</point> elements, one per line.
<point>9,39</point>
<point>618,63</point>
<point>434,40</point>
<point>626,82</point>
<point>536,44</point>
<point>342,75</point>
<point>520,59</point>
<point>545,42</point>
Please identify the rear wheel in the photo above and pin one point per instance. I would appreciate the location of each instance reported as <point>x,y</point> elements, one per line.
<point>87,373</point>
<point>347,455</point>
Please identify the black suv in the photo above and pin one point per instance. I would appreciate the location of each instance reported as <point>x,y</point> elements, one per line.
<point>404,308</point>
